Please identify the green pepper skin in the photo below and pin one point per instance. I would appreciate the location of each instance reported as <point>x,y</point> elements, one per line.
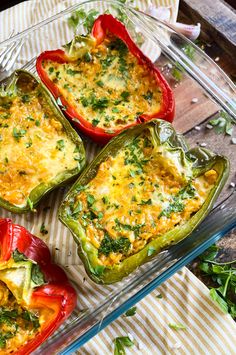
<point>61,179</point>
<point>201,160</point>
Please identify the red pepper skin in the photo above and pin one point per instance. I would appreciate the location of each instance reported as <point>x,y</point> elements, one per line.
<point>103,24</point>
<point>57,295</point>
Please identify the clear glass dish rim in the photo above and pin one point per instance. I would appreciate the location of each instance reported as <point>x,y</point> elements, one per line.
<point>191,69</point>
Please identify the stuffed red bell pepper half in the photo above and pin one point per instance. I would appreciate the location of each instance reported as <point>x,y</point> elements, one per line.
<point>104,83</point>
<point>35,295</point>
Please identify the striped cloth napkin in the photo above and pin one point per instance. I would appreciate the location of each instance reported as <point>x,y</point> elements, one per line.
<point>184,299</point>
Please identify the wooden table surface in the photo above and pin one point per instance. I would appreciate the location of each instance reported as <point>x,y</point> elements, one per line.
<point>218,39</point>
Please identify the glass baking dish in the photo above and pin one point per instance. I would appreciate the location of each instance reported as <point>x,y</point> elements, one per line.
<point>203,91</point>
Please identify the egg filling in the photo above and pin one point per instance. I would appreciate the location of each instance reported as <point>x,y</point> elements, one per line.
<point>108,87</point>
<point>34,146</point>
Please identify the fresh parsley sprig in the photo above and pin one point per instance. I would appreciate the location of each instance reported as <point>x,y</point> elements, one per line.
<point>224,277</point>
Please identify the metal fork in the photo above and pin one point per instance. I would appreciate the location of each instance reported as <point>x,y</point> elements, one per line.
<point>8,57</point>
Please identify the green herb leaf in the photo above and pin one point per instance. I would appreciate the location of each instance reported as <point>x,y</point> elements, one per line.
<point>177,326</point>
<point>121,343</point>
<point>37,275</point>
<point>90,199</point>
<point>18,256</point>
<point>95,122</point>
<point>25,98</point>
<point>151,251</point>
<point>219,300</point>
<point>17,134</point>
<point>30,204</point>
<point>222,124</point>
<point>60,144</point>
<point>131,312</point>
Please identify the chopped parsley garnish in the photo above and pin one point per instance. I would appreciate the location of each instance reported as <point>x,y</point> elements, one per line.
<point>29,118</point>
<point>72,72</point>
<point>51,70</point>
<point>151,251</point>
<point>175,206</point>
<point>18,133</point>
<point>30,204</point>
<point>223,276</point>
<point>100,83</point>
<point>120,344</point>
<point>99,104</point>
<point>109,245</point>
<point>105,200</point>
<point>146,202</point>
<point>60,144</point>
<point>90,199</point>
<point>37,123</point>
<point>43,230</point>
<point>95,122</point>
<point>148,96</point>
<point>131,312</point>
<point>12,319</point>
<point>125,95</point>
<point>25,98</point>
<point>177,326</point>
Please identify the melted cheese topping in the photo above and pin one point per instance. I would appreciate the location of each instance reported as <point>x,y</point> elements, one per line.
<point>108,87</point>
<point>136,197</point>
<point>17,326</point>
<point>34,147</point>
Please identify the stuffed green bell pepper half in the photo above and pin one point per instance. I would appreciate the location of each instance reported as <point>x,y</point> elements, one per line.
<point>39,150</point>
<point>144,191</point>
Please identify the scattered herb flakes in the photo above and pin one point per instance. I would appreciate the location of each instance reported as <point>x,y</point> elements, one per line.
<point>109,245</point>
<point>224,277</point>
<point>100,83</point>
<point>60,144</point>
<point>125,95</point>
<point>30,204</point>
<point>95,122</point>
<point>43,230</point>
<point>29,118</point>
<point>18,133</point>
<point>159,296</point>
<point>222,124</point>
<point>146,202</point>
<point>37,123</point>
<point>151,251</point>
<point>177,326</point>
<point>37,275</point>
<point>131,312</point>
<point>25,98</point>
<point>72,72</point>
<point>120,343</point>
